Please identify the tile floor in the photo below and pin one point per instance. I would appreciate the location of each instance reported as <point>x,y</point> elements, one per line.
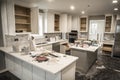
<point>105,68</point>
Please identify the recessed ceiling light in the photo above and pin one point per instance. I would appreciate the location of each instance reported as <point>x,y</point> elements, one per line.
<point>83,12</point>
<point>115,1</point>
<point>50,0</point>
<point>115,9</point>
<point>72,7</point>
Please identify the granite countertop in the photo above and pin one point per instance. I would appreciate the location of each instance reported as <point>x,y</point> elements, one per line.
<point>53,67</point>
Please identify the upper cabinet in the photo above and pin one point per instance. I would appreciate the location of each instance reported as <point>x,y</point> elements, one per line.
<point>22,19</point>
<point>56,22</point>
<point>83,24</point>
<point>110,21</point>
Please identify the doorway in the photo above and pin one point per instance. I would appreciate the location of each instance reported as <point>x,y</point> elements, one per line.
<point>96,30</point>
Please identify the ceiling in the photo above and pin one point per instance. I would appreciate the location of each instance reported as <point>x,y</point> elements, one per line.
<point>91,7</point>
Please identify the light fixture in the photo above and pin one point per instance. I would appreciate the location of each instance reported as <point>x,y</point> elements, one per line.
<point>83,12</point>
<point>115,1</point>
<point>72,7</point>
<point>50,0</point>
<point>115,9</point>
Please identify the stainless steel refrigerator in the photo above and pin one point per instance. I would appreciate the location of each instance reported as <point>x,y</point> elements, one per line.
<point>116,47</point>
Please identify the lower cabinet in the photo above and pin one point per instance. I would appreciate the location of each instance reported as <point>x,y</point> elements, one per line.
<point>2,60</point>
<point>10,63</point>
<point>38,74</point>
<point>86,59</point>
<point>69,72</point>
<point>26,71</point>
<point>18,68</point>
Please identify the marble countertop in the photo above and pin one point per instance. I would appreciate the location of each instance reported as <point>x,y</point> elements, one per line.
<point>53,65</point>
<point>50,42</point>
<point>109,42</point>
<point>90,48</point>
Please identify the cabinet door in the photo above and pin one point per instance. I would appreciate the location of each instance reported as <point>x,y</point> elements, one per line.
<point>9,63</point>
<point>84,24</point>
<point>38,74</point>
<point>69,71</point>
<point>2,60</point>
<point>50,76</point>
<point>26,71</point>
<point>110,23</point>
<point>18,68</point>
<point>82,61</point>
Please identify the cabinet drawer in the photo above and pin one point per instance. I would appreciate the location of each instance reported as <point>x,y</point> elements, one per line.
<point>107,49</point>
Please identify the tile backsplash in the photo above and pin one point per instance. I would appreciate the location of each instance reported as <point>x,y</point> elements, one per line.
<point>48,35</point>
<point>10,39</point>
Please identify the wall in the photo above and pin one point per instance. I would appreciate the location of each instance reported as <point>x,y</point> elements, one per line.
<point>1,29</point>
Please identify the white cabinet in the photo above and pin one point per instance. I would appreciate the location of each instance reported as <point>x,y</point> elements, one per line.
<point>75,23</point>
<point>26,71</point>
<point>17,67</point>
<point>110,21</point>
<point>69,23</point>
<point>63,23</point>
<point>13,65</point>
<point>38,74</point>
<point>49,22</point>
<point>83,24</point>
<point>35,20</point>
<point>8,19</point>
<point>69,72</point>
<point>50,76</point>
<point>9,63</point>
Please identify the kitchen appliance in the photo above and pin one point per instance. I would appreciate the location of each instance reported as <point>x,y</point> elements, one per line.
<point>116,47</point>
<point>73,35</point>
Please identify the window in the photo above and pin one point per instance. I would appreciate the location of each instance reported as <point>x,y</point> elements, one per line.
<point>96,30</point>
<point>41,29</point>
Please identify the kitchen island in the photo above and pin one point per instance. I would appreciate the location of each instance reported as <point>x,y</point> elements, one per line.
<point>87,57</point>
<point>27,68</point>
